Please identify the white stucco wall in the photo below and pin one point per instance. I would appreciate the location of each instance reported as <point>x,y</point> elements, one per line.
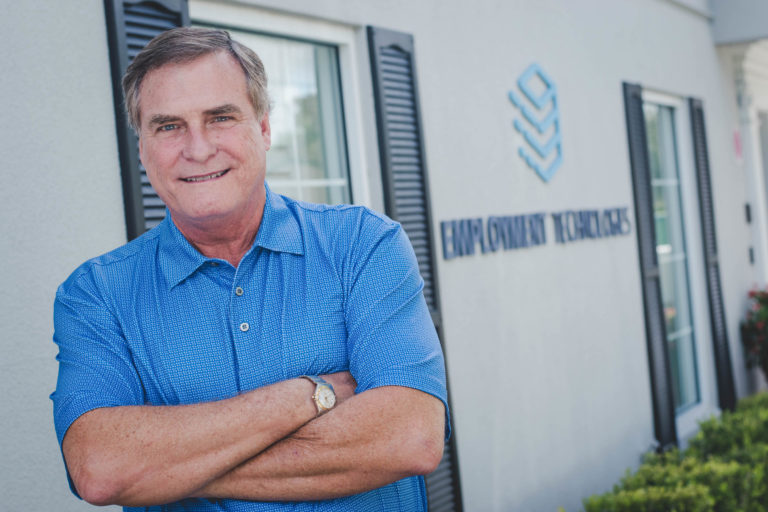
<point>61,203</point>
<point>546,346</point>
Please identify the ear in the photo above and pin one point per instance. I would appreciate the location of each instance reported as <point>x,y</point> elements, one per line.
<point>266,131</point>
<point>141,149</point>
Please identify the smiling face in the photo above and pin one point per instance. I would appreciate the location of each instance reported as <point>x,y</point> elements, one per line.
<point>202,144</point>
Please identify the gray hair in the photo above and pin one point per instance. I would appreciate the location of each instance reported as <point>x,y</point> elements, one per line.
<point>183,45</point>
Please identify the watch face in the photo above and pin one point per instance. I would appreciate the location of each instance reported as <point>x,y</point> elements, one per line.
<point>325,397</point>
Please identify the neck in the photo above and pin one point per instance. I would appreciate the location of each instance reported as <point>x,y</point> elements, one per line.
<point>224,238</point>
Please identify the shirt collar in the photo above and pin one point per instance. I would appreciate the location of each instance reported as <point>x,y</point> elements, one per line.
<point>279,231</point>
<point>177,258</point>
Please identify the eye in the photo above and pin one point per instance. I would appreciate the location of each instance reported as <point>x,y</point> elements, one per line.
<point>167,127</point>
<point>221,119</point>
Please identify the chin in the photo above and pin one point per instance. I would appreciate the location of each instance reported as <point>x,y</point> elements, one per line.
<point>197,215</point>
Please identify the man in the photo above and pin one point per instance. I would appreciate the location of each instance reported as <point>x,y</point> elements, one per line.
<point>251,352</point>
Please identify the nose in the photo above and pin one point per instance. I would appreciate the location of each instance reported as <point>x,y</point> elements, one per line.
<point>198,145</point>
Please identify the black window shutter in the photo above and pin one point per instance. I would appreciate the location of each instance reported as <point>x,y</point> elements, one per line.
<point>400,146</point>
<point>658,358</point>
<point>725,385</point>
<point>406,196</point>
<point>130,26</point>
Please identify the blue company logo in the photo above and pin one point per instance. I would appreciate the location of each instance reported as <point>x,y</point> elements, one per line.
<point>540,122</point>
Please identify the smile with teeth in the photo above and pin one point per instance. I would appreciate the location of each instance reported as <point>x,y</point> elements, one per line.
<point>207,177</point>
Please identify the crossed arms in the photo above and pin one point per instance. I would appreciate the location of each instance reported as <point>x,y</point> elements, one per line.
<point>266,444</point>
<point>263,445</point>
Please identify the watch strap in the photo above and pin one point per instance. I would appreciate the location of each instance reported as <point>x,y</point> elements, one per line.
<point>316,379</point>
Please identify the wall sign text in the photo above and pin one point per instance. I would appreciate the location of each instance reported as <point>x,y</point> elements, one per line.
<point>465,237</point>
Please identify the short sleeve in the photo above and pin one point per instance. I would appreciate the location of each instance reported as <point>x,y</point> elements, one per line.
<point>391,337</point>
<point>95,368</point>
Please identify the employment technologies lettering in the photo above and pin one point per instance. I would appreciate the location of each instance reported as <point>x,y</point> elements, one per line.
<point>463,237</point>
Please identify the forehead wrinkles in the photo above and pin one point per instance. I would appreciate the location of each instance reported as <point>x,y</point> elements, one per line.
<point>171,74</point>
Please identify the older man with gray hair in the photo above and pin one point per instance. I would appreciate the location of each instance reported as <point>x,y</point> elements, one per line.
<point>252,352</point>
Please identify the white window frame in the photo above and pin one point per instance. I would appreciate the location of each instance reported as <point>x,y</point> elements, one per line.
<point>687,421</point>
<point>251,18</point>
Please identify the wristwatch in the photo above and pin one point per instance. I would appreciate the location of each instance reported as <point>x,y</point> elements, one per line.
<point>324,396</point>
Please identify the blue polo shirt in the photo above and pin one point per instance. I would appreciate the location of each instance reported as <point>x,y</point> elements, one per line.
<point>323,289</point>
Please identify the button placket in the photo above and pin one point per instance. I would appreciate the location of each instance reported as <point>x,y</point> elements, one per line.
<point>244,326</point>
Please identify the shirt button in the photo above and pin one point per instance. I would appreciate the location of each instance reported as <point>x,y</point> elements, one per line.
<point>244,326</point>
<point>238,291</point>
<point>214,263</point>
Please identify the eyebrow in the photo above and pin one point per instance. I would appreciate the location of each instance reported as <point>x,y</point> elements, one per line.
<point>159,119</point>
<point>229,108</point>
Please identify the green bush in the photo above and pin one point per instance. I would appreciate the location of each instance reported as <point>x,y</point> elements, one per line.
<point>757,401</point>
<point>690,498</point>
<point>740,436</point>
<point>724,469</point>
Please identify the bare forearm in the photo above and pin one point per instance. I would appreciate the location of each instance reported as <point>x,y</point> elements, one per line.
<point>155,454</point>
<point>373,439</point>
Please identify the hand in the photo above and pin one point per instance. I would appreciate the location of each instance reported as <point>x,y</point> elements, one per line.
<point>343,385</point>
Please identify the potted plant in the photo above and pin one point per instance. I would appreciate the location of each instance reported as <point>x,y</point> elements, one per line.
<point>754,331</point>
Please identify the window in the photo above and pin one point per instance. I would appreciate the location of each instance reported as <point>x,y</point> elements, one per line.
<point>321,149</point>
<point>688,351</point>
<point>308,158</point>
<point>677,229</point>
<point>671,252</point>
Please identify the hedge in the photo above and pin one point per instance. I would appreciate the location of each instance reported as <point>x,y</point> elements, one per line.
<point>724,469</point>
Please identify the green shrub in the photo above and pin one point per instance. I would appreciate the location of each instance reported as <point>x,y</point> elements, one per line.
<point>741,435</point>
<point>757,401</point>
<point>691,498</point>
<point>724,469</point>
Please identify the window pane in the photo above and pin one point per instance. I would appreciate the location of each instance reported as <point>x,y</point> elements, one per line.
<point>660,132</point>
<point>308,158</point>
<point>286,190</point>
<point>667,213</point>
<point>683,366</point>
<point>674,296</point>
<point>670,249</point>
<point>329,195</point>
